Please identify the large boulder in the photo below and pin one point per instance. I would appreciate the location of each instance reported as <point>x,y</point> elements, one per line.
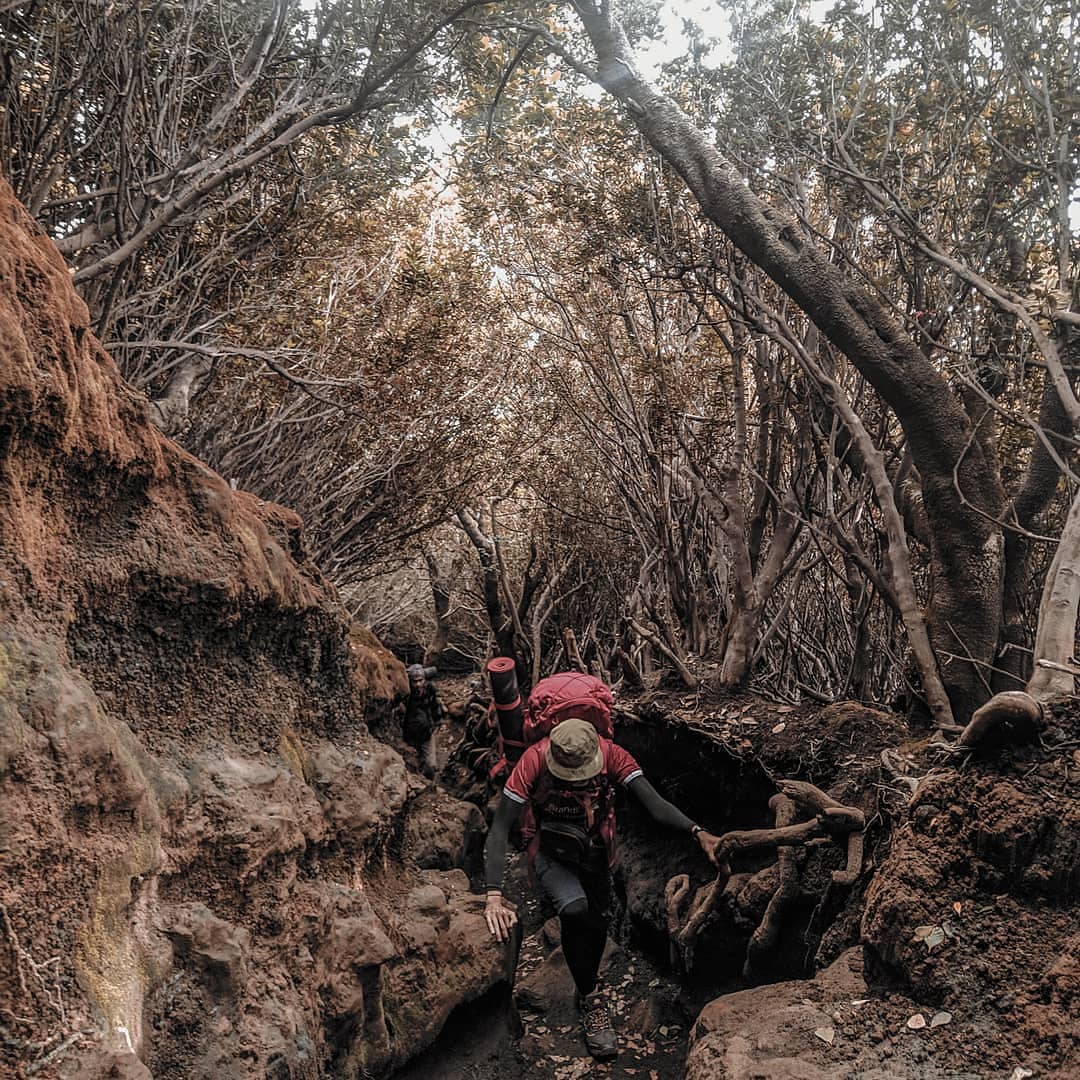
<point>441,832</point>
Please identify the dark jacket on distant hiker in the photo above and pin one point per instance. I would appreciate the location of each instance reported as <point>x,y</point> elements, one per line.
<point>423,716</point>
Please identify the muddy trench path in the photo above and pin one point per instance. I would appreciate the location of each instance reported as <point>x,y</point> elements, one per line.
<point>533,1030</point>
<point>954,957</point>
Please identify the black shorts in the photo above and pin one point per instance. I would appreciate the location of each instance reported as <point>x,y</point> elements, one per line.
<point>562,884</point>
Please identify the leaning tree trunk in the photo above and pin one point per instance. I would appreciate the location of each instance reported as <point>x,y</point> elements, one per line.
<point>170,412</point>
<point>961,489</point>
<point>1054,669</point>
<point>1041,479</point>
<point>440,596</point>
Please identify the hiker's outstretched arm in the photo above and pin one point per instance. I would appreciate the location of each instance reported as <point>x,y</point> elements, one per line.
<point>500,918</point>
<point>495,848</point>
<point>660,810</point>
<point>665,813</point>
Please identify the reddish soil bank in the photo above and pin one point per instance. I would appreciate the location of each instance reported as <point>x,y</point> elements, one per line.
<point>208,867</point>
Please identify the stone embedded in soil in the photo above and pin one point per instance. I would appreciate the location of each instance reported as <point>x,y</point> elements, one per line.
<point>772,1032</point>
<point>113,1065</point>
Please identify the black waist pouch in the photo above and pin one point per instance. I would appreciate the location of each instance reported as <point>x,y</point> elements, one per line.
<point>568,843</point>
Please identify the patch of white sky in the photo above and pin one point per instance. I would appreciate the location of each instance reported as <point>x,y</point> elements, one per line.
<point>650,56</point>
<point>714,23</point>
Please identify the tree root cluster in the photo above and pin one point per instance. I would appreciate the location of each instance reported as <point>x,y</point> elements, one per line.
<point>832,822</point>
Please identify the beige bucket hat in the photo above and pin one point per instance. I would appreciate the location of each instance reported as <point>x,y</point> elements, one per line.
<point>573,751</point>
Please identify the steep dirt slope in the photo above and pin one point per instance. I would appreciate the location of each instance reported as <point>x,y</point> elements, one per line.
<point>199,842</point>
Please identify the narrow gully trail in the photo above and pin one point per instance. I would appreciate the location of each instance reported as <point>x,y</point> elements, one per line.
<point>534,1031</point>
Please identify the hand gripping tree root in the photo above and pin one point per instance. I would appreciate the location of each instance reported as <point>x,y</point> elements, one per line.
<point>832,821</point>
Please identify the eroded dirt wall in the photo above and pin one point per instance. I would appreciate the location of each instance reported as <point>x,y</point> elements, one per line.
<point>198,837</point>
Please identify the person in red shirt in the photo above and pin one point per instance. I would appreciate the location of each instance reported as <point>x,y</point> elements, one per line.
<point>565,787</point>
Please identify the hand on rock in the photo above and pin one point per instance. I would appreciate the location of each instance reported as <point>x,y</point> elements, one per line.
<point>501,918</point>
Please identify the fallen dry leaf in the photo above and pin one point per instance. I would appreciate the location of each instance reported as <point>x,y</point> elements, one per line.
<point>825,1034</point>
<point>940,1019</point>
<point>779,727</point>
<point>935,937</point>
<point>917,1021</point>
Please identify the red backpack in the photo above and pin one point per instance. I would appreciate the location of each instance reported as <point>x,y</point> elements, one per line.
<point>559,697</point>
<point>564,695</point>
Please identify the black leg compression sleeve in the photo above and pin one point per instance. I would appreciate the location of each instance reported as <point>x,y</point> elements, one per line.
<point>584,934</point>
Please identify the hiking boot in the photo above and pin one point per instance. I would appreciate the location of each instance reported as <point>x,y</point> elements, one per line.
<point>596,1023</point>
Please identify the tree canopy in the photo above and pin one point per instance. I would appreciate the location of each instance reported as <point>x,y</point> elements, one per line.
<point>760,369</point>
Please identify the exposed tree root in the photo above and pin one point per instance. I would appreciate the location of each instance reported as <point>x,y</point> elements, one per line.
<point>1013,716</point>
<point>833,822</point>
<point>764,937</point>
<point>856,842</point>
<point>678,888</point>
<point>807,798</point>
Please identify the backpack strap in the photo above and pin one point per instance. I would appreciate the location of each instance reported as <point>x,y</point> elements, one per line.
<point>530,825</point>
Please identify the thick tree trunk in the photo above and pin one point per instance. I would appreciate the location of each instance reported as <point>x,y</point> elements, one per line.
<point>1041,479</point>
<point>1054,673</point>
<point>743,631</point>
<point>501,625</point>
<point>1014,716</point>
<point>440,596</point>
<point>962,491</point>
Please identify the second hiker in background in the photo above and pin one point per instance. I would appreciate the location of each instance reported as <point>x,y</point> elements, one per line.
<point>423,716</point>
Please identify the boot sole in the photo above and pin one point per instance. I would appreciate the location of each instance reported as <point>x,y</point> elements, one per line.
<point>604,1053</point>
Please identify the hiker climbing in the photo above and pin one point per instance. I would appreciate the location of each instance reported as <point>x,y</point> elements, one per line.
<point>564,785</point>
<point>423,716</point>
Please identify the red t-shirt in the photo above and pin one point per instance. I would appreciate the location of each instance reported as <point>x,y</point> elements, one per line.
<point>562,805</point>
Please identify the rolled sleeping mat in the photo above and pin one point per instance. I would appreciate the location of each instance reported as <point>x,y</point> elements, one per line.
<point>506,698</point>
